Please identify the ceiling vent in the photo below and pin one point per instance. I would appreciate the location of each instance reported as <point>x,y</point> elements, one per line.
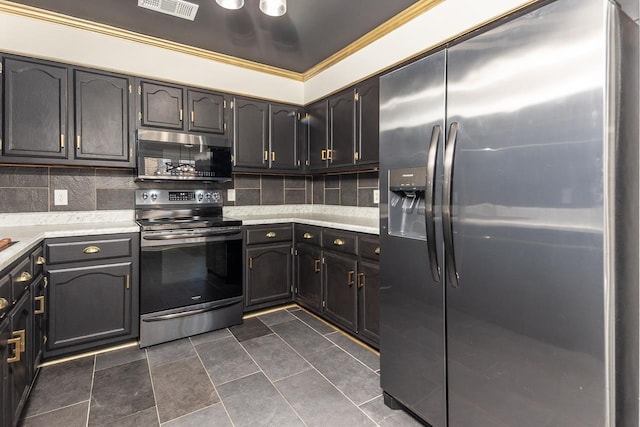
<point>180,8</point>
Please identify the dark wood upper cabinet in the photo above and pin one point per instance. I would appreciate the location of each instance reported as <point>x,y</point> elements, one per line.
<point>368,122</point>
<point>35,109</point>
<point>206,111</point>
<point>102,117</point>
<point>342,128</point>
<point>283,136</point>
<point>161,106</point>
<point>250,133</point>
<point>316,122</point>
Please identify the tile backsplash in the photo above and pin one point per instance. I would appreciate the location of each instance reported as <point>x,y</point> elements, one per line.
<point>31,189</point>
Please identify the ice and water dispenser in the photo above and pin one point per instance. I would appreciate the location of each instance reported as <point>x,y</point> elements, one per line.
<point>407,202</point>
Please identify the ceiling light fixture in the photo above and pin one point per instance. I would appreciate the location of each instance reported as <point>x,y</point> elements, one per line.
<point>273,7</point>
<point>268,7</point>
<point>231,4</point>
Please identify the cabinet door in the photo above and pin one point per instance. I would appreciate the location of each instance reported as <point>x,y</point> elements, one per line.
<point>6,350</point>
<point>206,111</point>
<point>309,276</point>
<point>89,304</point>
<point>317,134</point>
<point>39,324</point>
<point>35,109</point>
<point>250,133</point>
<point>283,137</point>
<point>342,129</point>
<point>340,290</point>
<point>19,372</point>
<point>368,122</point>
<point>268,274</point>
<point>161,106</point>
<point>102,117</point>
<point>368,301</point>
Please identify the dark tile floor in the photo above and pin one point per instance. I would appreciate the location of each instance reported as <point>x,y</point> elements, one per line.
<point>284,368</point>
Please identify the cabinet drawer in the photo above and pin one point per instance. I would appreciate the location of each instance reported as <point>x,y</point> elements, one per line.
<point>21,278</point>
<point>37,261</point>
<point>340,241</point>
<point>278,233</point>
<point>369,247</point>
<point>308,234</point>
<point>87,250</point>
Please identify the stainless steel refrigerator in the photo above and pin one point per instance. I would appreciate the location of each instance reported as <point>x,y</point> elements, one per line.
<point>509,223</point>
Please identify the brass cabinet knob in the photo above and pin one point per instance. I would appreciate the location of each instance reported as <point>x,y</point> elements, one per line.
<point>307,236</point>
<point>271,234</point>
<point>338,242</point>
<point>24,277</point>
<point>40,260</point>
<point>377,251</point>
<point>3,303</point>
<point>91,250</point>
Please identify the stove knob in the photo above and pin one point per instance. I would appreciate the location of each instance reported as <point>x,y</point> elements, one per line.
<point>154,196</point>
<point>200,197</point>
<point>215,197</point>
<point>145,196</point>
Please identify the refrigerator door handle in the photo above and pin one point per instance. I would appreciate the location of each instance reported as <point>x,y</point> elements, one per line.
<point>429,214</point>
<point>447,225</point>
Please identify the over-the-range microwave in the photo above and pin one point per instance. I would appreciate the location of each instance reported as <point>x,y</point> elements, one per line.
<point>182,156</point>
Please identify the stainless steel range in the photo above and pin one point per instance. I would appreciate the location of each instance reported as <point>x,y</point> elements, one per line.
<point>190,264</point>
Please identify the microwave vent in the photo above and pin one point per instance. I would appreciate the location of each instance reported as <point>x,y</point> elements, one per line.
<point>180,8</point>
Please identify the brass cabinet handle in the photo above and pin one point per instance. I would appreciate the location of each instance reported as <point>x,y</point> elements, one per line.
<point>377,251</point>
<point>24,277</point>
<point>273,156</point>
<point>266,156</point>
<point>338,242</point>
<point>271,234</point>
<point>128,282</point>
<point>350,275</point>
<point>323,154</point>
<point>91,250</point>
<point>250,263</point>
<point>61,141</point>
<point>329,154</point>
<point>181,114</point>
<point>41,260</point>
<point>307,236</point>
<point>193,116</point>
<point>21,336</point>
<point>78,142</point>
<point>3,303</point>
<point>360,280</point>
<point>16,350</point>
<point>316,266</point>
<point>40,309</point>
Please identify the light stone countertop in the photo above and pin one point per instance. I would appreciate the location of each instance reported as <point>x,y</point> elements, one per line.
<point>30,229</point>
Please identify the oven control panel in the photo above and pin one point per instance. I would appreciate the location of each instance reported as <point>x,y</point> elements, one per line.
<point>177,197</point>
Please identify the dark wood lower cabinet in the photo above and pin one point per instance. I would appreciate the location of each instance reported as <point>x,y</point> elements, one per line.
<point>268,274</point>
<point>90,304</point>
<point>369,301</point>
<point>39,324</point>
<point>340,290</point>
<point>308,289</point>
<point>19,359</point>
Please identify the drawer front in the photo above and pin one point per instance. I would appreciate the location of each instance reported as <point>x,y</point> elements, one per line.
<point>308,234</point>
<point>276,233</point>
<point>21,278</point>
<point>37,261</point>
<point>5,296</point>
<point>340,241</point>
<point>369,247</point>
<point>88,250</point>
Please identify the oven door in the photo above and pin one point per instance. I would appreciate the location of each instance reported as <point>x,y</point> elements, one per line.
<point>182,268</point>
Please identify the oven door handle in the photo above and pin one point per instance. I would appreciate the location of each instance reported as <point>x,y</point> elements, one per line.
<point>192,312</point>
<point>191,235</point>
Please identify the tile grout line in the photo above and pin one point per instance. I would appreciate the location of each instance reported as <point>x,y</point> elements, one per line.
<point>153,389</point>
<point>93,377</point>
<point>211,380</point>
<point>54,410</point>
<point>321,374</point>
<point>267,377</point>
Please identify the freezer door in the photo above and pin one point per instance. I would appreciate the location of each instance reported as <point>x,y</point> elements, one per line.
<point>412,301</point>
<point>526,328</point>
